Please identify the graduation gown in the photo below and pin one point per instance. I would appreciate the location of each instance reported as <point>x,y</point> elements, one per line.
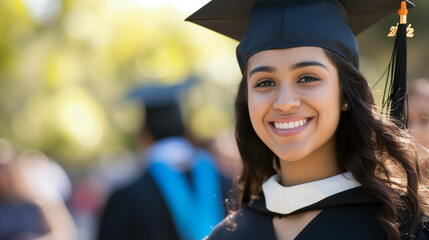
<point>346,214</point>
<point>168,201</point>
<point>139,211</point>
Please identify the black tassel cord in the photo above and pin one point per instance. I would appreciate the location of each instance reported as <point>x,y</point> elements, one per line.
<point>395,91</point>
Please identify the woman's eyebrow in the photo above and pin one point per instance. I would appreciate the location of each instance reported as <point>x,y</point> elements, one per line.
<point>307,64</point>
<point>262,69</point>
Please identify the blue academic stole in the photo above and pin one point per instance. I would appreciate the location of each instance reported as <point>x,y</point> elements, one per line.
<point>195,211</point>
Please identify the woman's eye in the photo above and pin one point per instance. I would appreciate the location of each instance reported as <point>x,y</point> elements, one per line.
<point>265,83</point>
<point>308,79</point>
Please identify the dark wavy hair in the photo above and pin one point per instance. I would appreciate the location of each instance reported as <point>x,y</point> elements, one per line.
<point>368,145</point>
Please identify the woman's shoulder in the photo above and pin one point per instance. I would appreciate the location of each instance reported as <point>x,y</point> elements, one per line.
<point>243,224</point>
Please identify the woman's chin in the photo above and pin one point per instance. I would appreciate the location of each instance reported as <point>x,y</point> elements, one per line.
<point>291,156</point>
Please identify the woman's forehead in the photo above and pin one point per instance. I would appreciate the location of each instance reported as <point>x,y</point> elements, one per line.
<point>287,56</point>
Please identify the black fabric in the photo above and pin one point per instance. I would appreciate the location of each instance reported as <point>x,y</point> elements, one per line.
<point>162,107</point>
<point>139,211</point>
<point>347,215</point>
<point>423,230</point>
<point>165,121</point>
<point>287,25</point>
<point>354,221</point>
<point>244,225</point>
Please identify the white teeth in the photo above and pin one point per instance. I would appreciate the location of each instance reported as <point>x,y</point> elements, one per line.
<point>290,125</point>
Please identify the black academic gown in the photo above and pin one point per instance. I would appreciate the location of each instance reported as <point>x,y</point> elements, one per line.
<point>346,215</point>
<point>139,211</point>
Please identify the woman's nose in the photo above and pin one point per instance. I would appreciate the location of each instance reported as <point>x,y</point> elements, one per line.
<point>286,100</point>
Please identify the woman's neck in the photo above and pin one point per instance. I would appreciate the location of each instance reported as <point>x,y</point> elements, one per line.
<point>320,164</point>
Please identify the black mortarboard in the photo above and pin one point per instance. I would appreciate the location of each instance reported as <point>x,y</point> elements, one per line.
<point>163,115</point>
<point>273,24</point>
<point>332,24</point>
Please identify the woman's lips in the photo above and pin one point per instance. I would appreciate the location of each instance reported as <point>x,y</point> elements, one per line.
<point>290,127</point>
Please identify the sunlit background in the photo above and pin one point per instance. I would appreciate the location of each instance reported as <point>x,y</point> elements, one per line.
<point>67,65</point>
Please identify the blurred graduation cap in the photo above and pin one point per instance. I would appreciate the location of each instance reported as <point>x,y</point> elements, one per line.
<point>276,24</point>
<point>161,104</point>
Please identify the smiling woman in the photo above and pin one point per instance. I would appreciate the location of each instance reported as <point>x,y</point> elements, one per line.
<point>301,86</point>
<point>319,161</point>
<point>291,94</point>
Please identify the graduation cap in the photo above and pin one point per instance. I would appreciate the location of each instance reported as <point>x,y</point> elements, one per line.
<point>277,24</point>
<point>161,102</point>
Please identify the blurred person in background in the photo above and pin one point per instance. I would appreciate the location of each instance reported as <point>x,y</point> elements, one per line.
<point>27,210</point>
<point>48,186</point>
<point>180,193</point>
<point>418,122</point>
<point>19,217</point>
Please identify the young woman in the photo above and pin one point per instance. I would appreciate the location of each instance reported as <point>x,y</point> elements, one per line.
<point>319,161</point>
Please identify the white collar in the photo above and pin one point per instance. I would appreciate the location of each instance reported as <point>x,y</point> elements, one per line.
<point>285,200</point>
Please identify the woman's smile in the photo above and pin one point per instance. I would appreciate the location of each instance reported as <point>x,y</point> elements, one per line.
<point>290,126</point>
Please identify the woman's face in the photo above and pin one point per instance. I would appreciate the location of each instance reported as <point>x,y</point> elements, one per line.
<point>294,100</point>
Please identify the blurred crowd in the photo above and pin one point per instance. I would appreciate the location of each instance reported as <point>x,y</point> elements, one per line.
<point>171,185</point>
<point>39,201</point>
<point>33,192</point>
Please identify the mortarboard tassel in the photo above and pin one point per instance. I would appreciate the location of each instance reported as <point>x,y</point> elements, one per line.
<point>395,92</point>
